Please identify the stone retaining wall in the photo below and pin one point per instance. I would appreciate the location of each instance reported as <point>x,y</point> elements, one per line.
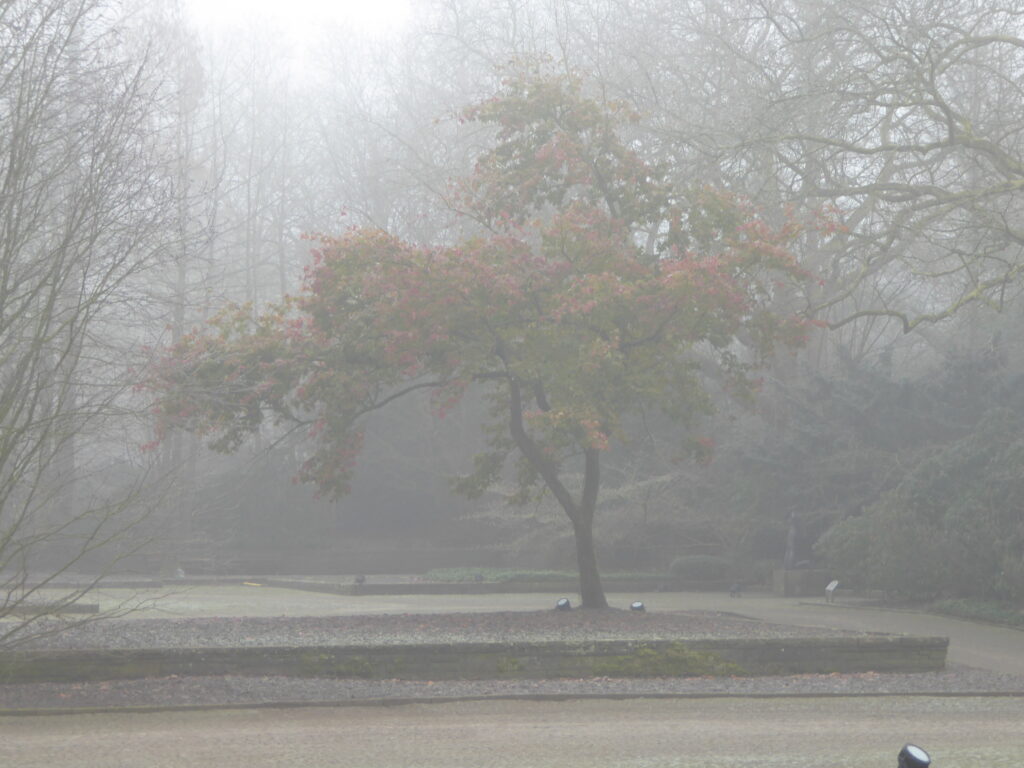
<point>612,658</point>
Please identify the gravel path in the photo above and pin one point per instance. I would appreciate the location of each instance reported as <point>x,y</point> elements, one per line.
<point>248,691</point>
<point>440,628</point>
<point>866,732</point>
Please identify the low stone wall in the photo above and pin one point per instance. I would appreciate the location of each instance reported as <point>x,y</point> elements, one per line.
<point>611,658</point>
<point>825,655</point>
<point>362,557</point>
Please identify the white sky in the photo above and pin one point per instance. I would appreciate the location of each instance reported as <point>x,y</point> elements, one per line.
<point>373,17</point>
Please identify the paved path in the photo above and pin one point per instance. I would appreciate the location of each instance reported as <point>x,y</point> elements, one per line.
<point>999,649</point>
<point>714,733</point>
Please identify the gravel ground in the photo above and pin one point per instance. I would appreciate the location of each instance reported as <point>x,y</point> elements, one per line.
<point>441,628</point>
<point>247,691</point>
<point>509,626</point>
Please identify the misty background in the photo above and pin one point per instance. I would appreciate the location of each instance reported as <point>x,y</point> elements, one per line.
<point>153,170</point>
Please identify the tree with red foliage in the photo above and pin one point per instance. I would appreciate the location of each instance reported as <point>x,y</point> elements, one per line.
<point>580,303</point>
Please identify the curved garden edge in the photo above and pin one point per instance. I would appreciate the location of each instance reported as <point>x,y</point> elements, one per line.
<point>924,608</point>
<point>405,701</point>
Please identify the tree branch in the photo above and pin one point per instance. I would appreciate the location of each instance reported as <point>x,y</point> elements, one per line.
<point>532,452</point>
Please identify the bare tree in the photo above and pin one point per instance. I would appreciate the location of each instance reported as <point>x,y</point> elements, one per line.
<point>82,197</point>
<point>905,116</point>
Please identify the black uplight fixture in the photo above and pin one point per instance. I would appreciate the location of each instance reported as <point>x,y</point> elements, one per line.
<point>563,604</point>
<point>913,757</point>
<point>637,606</point>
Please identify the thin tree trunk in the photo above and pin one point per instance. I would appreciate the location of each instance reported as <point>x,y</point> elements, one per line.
<point>581,514</point>
<point>591,590</point>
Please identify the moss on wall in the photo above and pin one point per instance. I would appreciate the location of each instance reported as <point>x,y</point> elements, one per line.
<point>481,661</point>
<point>674,660</point>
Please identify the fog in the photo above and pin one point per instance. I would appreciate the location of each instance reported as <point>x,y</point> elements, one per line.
<point>160,164</point>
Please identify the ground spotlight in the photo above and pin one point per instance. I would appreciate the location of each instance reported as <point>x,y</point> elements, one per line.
<point>637,606</point>
<point>563,604</point>
<point>913,757</point>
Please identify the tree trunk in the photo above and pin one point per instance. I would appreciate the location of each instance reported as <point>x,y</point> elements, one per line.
<point>581,514</point>
<point>591,590</point>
